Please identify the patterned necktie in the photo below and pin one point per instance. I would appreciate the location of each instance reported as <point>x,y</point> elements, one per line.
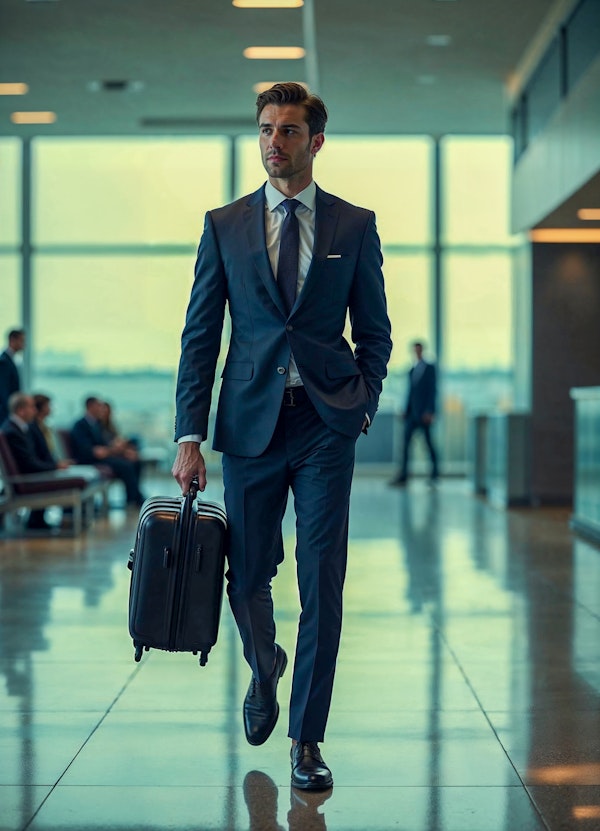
<point>289,250</point>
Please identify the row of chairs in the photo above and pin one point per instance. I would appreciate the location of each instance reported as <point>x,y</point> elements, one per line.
<point>79,488</point>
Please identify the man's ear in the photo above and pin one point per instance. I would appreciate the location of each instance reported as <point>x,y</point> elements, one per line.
<point>316,143</point>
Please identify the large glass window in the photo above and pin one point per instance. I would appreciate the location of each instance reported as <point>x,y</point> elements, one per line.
<point>476,190</point>
<point>10,234</point>
<point>110,326</point>
<point>115,227</point>
<point>117,191</point>
<point>477,285</point>
<point>10,292</point>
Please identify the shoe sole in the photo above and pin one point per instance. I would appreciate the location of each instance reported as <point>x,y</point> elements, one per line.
<point>254,742</point>
<point>310,787</point>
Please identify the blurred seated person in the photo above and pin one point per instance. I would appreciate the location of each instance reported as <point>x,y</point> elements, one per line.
<point>90,447</point>
<point>41,434</point>
<point>121,446</point>
<point>18,431</point>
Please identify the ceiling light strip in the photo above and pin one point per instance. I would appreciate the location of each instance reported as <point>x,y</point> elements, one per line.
<point>267,4</point>
<point>14,89</point>
<point>589,214</point>
<point>274,53</point>
<point>33,118</point>
<point>565,235</point>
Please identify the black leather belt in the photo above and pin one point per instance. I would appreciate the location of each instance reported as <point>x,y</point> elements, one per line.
<point>294,396</point>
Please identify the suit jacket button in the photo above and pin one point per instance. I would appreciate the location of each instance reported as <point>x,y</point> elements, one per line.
<point>281,370</point>
<point>289,327</point>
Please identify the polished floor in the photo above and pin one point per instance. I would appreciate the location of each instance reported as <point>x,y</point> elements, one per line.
<point>467,695</point>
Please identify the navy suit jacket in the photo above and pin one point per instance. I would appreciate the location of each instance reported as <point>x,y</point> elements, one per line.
<point>233,269</point>
<point>9,382</point>
<point>421,397</point>
<point>23,450</point>
<point>84,437</point>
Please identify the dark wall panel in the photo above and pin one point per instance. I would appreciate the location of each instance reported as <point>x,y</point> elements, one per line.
<point>565,354</point>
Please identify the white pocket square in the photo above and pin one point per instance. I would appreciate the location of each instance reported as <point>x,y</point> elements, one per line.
<point>334,256</point>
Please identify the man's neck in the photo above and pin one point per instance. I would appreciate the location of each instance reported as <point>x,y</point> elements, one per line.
<point>290,187</point>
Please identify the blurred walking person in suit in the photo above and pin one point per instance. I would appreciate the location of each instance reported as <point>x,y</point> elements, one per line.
<point>290,261</point>
<point>419,412</point>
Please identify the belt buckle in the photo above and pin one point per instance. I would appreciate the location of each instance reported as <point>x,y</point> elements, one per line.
<point>289,399</point>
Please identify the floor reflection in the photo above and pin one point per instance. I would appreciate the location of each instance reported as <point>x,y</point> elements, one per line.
<point>467,695</point>
<point>261,796</point>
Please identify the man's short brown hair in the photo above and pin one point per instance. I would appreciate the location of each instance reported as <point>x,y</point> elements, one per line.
<point>292,93</point>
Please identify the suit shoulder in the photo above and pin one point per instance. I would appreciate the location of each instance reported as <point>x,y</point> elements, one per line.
<point>343,205</point>
<point>232,209</point>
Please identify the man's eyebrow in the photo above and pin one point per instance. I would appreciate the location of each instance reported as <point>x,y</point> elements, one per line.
<point>268,124</point>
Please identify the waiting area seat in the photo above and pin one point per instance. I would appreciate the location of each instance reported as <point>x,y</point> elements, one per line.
<point>76,487</point>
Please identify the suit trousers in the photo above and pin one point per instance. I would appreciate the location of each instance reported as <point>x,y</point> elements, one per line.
<point>411,425</point>
<point>317,464</point>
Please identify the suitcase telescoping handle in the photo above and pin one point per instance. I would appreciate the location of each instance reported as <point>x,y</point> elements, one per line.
<point>194,487</point>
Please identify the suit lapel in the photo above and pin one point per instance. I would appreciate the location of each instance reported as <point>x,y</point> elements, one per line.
<point>254,221</point>
<point>326,220</point>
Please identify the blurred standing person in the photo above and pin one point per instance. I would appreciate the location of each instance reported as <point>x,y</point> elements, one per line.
<point>10,381</point>
<point>419,412</point>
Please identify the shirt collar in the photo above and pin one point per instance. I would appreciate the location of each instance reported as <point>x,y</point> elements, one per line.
<point>275,197</point>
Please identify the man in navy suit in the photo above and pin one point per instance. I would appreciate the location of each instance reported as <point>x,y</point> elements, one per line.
<point>294,398</point>
<point>419,412</point>
<point>9,374</point>
<point>17,429</point>
<point>90,447</point>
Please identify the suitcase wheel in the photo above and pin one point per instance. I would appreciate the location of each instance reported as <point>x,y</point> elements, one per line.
<point>138,651</point>
<point>203,658</point>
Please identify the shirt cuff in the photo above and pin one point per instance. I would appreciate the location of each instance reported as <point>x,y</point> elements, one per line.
<point>192,437</point>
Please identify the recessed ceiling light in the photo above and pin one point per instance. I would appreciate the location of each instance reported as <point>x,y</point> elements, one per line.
<point>426,79</point>
<point>589,214</point>
<point>33,118</point>
<point>438,40</point>
<point>269,53</point>
<point>261,86</point>
<point>14,89</point>
<point>268,4</point>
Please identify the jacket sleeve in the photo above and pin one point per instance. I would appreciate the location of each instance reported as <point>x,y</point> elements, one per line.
<point>371,328</point>
<point>201,337</point>
<point>25,458</point>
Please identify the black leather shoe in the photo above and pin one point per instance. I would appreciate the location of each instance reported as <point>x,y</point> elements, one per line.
<point>397,482</point>
<point>261,709</point>
<point>309,771</point>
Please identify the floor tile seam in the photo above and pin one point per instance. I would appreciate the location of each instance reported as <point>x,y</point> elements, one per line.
<point>100,721</point>
<point>493,729</point>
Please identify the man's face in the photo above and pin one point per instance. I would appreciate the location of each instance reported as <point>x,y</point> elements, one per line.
<point>95,409</point>
<point>17,344</point>
<point>27,410</point>
<point>286,147</point>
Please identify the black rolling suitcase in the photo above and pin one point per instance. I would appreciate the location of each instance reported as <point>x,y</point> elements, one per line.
<point>177,570</point>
